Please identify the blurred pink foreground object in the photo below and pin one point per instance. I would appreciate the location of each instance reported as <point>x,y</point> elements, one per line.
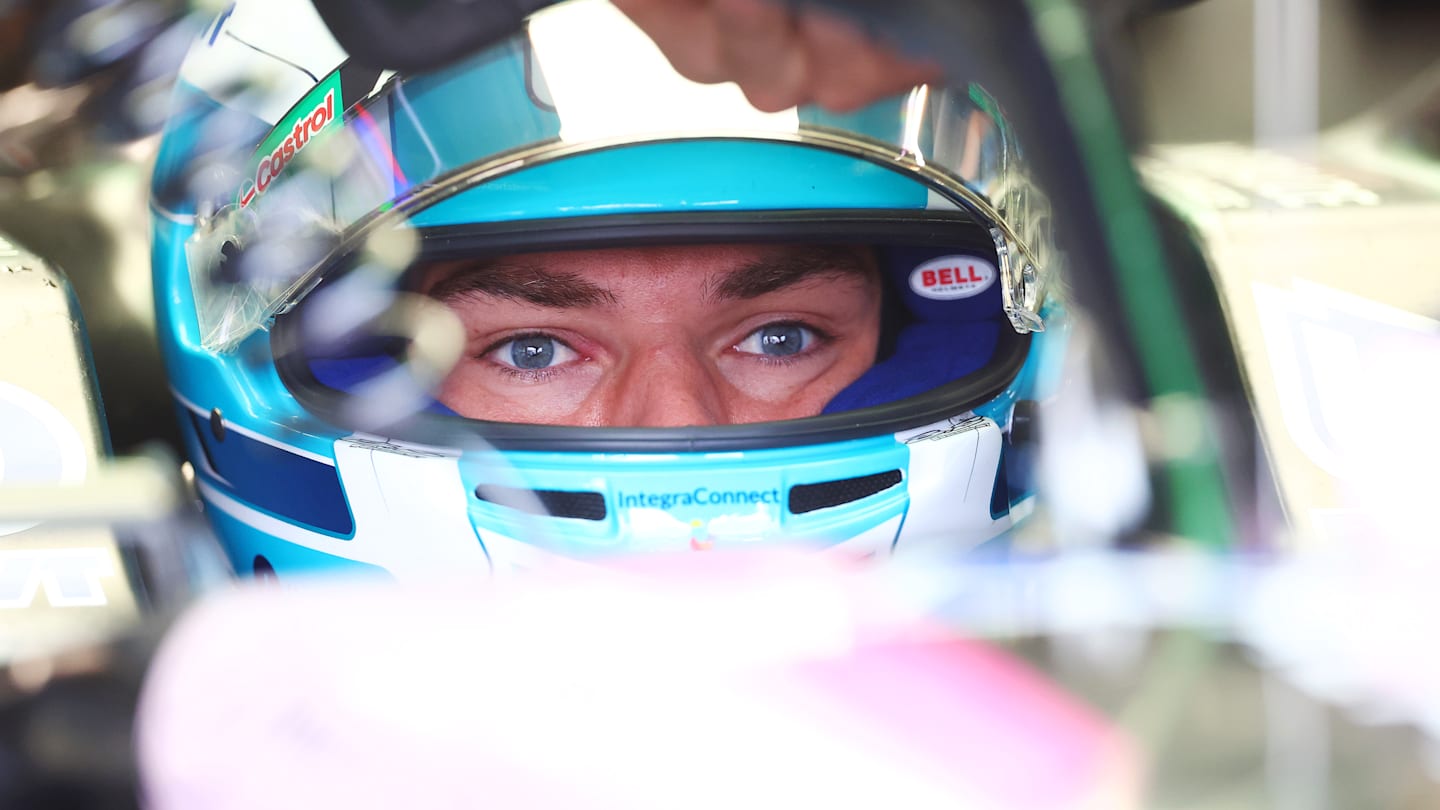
<point>689,682</point>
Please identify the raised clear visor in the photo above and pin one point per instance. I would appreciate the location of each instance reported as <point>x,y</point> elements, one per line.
<point>580,79</point>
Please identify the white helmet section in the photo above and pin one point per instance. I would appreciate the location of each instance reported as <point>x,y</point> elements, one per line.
<point>951,479</point>
<point>262,56</point>
<point>409,509</point>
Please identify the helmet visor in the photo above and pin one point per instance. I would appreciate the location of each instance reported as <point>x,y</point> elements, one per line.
<point>579,79</point>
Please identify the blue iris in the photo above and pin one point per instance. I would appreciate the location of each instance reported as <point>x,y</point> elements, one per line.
<point>533,352</point>
<point>780,340</point>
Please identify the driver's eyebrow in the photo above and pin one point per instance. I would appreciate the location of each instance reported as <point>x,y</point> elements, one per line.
<point>788,268</point>
<point>519,281</point>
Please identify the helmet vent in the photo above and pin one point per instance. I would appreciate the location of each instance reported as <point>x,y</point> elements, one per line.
<point>557,502</point>
<point>809,497</point>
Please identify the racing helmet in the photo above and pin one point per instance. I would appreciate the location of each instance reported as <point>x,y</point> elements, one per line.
<point>302,204</point>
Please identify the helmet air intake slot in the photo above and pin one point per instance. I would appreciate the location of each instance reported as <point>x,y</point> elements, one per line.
<point>810,497</point>
<point>557,503</point>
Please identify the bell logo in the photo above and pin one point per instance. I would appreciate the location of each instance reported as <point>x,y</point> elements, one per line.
<point>949,277</point>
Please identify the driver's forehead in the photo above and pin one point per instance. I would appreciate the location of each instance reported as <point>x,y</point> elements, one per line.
<point>715,272</point>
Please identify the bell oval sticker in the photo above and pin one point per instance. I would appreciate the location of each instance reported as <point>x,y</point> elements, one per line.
<point>948,277</point>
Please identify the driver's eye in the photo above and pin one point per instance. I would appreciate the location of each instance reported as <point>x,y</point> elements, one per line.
<point>532,352</point>
<point>777,340</point>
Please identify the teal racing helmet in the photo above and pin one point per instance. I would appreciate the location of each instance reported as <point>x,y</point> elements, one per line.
<point>332,241</point>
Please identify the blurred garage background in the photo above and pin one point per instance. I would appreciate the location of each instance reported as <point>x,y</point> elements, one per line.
<point>1232,69</point>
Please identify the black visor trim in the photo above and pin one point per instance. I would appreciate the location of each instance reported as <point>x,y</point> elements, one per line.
<point>919,228</point>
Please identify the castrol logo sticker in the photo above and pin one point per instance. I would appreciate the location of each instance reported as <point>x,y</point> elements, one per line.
<point>949,277</point>
<point>298,130</point>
